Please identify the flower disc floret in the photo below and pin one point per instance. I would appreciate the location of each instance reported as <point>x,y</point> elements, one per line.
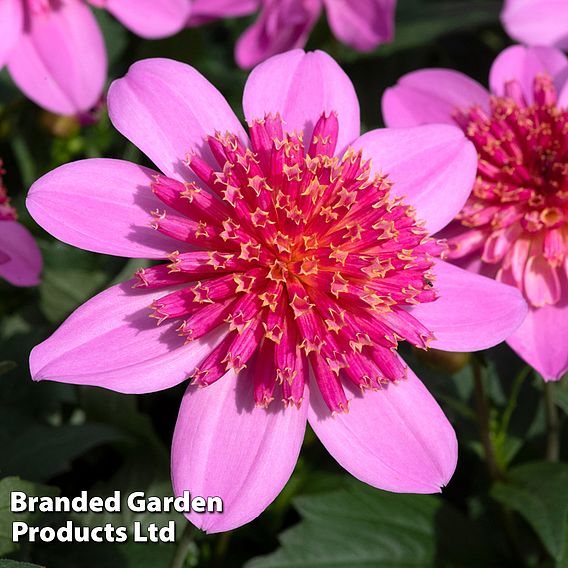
<point>306,258</point>
<point>7,212</point>
<point>518,210</point>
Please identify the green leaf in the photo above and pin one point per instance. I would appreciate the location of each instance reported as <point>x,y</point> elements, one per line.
<point>41,452</point>
<point>561,396</point>
<point>8,90</point>
<point>363,527</point>
<point>152,555</point>
<point>16,564</point>
<point>121,412</point>
<point>70,277</point>
<point>115,35</point>
<point>7,485</point>
<point>63,290</point>
<point>539,492</point>
<point>7,366</point>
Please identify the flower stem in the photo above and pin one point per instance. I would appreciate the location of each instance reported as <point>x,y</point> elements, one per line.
<point>183,546</point>
<point>495,471</point>
<point>221,548</point>
<point>483,421</point>
<point>552,424</point>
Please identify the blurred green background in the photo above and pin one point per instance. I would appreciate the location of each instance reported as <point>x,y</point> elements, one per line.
<point>61,439</point>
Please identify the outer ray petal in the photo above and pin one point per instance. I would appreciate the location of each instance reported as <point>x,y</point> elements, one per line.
<point>203,11</point>
<point>101,205</point>
<point>22,259</point>
<point>224,446</point>
<point>396,439</point>
<point>151,18</point>
<point>362,25</point>
<point>472,313</point>
<point>281,26</point>
<point>524,64</point>
<point>541,339</point>
<point>537,22</point>
<point>434,166</point>
<point>301,86</point>
<point>430,96</point>
<point>11,22</point>
<point>60,62</point>
<point>167,109</point>
<point>111,342</point>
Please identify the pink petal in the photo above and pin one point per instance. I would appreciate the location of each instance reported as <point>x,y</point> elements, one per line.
<point>167,109</point>
<point>434,166</point>
<point>112,342</point>
<point>11,22</point>
<point>362,25</point>
<point>301,86</point>
<point>396,439</point>
<point>524,64</point>
<point>101,205</point>
<point>60,62</point>
<point>20,254</point>
<point>203,11</point>
<point>472,313</point>
<point>537,22</point>
<point>281,26</point>
<point>225,446</point>
<point>431,96</point>
<point>151,18</point>
<point>541,282</point>
<point>541,339</point>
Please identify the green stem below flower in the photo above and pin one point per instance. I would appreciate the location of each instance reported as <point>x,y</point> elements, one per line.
<point>183,546</point>
<point>552,424</point>
<point>483,421</point>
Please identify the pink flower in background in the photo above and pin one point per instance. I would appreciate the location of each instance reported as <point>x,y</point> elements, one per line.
<point>514,226</point>
<point>287,24</point>
<point>55,51</point>
<point>20,259</point>
<point>291,260</point>
<point>537,22</point>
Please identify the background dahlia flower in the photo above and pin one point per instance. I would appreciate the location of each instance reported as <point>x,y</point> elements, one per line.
<point>20,259</point>
<point>537,22</point>
<point>55,51</point>
<point>286,24</point>
<point>514,226</point>
<point>291,260</point>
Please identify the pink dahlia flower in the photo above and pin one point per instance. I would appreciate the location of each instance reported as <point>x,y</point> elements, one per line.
<point>537,22</point>
<point>514,226</point>
<point>292,261</point>
<point>20,259</point>
<point>55,51</point>
<point>286,24</point>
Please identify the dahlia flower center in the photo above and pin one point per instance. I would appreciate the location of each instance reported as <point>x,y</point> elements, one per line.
<point>518,211</point>
<point>7,212</point>
<point>302,258</point>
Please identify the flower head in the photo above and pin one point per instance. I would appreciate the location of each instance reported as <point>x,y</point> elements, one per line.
<point>286,24</point>
<point>293,268</point>
<point>20,259</point>
<point>518,210</point>
<point>305,255</point>
<point>55,50</point>
<point>516,220</point>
